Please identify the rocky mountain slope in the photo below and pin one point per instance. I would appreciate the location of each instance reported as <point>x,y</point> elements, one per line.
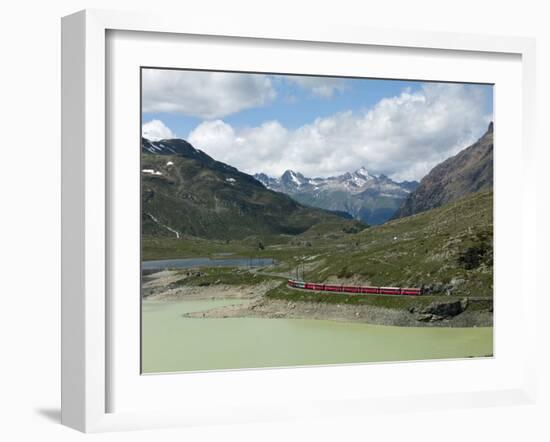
<point>471,170</point>
<point>185,192</point>
<point>369,198</point>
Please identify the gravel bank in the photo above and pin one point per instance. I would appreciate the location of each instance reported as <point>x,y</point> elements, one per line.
<point>264,308</point>
<point>159,287</point>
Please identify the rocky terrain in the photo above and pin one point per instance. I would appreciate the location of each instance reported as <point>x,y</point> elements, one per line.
<point>470,171</point>
<point>443,313</point>
<point>175,285</point>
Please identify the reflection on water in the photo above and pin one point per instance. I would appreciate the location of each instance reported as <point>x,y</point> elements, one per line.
<point>171,342</point>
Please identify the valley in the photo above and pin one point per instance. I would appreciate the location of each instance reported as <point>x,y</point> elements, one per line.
<point>426,250</point>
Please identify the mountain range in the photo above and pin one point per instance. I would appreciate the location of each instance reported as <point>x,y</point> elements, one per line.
<point>187,192</point>
<point>469,171</point>
<point>366,197</point>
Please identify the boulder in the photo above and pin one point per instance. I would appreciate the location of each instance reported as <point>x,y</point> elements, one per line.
<point>445,309</point>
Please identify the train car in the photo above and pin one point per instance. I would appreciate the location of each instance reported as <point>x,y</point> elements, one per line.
<point>332,288</point>
<point>390,291</point>
<point>296,284</point>
<point>371,290</point>
<point>352,289</point>
<point>410,291</point>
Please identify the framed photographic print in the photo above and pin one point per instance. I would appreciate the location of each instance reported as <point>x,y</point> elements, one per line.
<point>265,245</point>
<point>252,213</point>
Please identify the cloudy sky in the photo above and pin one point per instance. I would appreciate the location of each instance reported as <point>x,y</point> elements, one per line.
<point>318,126</point>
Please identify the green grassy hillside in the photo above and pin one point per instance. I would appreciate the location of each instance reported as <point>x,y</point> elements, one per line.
<point>448,250</point>
<point>190,194</point>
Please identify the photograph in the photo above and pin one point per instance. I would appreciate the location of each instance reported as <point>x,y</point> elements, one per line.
<point>303,220</point>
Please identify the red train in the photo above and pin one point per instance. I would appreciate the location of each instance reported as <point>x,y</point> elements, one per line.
<point>355,289</point>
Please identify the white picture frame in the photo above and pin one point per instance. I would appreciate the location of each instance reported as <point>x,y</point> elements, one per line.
<point>86,210</point>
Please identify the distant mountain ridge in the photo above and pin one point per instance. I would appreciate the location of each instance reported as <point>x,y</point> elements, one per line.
<point>366,197</point>
<point>186,192</point>
<point>469,171</point>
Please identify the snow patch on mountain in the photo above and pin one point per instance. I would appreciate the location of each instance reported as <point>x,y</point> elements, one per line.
<point>152,172</point>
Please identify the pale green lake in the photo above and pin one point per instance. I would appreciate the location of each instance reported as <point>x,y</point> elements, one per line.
<point>171,342</point>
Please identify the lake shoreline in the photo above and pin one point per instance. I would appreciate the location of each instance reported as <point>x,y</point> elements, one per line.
<point>259,303</point>
<point>161,286</point>
<point>277,309</point>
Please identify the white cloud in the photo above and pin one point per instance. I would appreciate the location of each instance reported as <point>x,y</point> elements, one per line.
<point>403,137</point>
<point>318,86</point>
<point>155,130</point>
<point>207,95</point>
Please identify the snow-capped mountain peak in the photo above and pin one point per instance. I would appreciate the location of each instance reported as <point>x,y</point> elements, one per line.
<point>167,147</point>
<point>354,193</point>
<point>363,172</point>
<point>292,178</point>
